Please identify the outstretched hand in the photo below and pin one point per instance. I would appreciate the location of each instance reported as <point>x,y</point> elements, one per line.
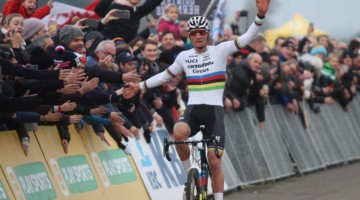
<point>130,90</point>
<point>131,76</point>
<point>262,6</point>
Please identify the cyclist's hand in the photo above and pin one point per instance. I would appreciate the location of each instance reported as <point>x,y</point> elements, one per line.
<point>262,6</point>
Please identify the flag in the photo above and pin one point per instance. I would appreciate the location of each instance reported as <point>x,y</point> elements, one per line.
<point>217,22</point>
<point>63,14</point>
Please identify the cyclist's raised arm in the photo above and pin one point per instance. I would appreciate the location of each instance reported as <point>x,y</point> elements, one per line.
<point>254,28</point>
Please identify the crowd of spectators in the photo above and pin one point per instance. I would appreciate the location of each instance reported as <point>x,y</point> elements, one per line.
<point>75,74</point>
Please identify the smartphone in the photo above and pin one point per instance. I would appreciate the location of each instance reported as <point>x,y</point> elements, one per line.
<point>53,27</point>
<point>153,31</point>
<point>91,23</point>
<point>122,14</point>
<point>35,67</point>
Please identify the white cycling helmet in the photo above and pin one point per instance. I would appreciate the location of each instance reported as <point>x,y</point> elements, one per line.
<point>198,22</point>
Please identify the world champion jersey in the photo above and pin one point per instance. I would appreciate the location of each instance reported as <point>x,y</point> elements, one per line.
<point>205,72</point>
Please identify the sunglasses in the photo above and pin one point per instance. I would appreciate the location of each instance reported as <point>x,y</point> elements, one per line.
<point>195,33</point>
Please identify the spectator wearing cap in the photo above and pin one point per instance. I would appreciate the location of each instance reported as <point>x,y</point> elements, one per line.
<point>103,55</point>
<point>33,27</point>
<point>126,61</point>
<point>71,37</point>
<point>287,51</point>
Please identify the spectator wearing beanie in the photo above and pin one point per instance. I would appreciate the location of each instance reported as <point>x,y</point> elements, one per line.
<point>319,50</point>
<point>33,27</point>
<point>65,59</point>
<point>72,38</point>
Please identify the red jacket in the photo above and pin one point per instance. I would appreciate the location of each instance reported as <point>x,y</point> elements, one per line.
<point>14,6</point>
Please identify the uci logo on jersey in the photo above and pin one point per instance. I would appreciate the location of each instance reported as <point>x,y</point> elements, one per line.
<point>191,61</point>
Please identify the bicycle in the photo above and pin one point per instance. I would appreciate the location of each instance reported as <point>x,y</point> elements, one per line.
<point>197,181</point>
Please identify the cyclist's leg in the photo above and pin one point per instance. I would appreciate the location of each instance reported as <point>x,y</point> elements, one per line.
<point>182,130</point>
<point>217,176</point>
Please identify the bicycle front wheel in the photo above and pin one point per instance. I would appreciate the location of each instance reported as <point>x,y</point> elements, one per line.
<point>192,185</point>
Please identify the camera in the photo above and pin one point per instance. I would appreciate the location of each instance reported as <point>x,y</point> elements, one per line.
<point>9,33</point>
<point>34,67</point>
<point>244,13</point>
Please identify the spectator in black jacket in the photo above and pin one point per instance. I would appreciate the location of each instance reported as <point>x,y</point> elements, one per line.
<point>246,88</point>
<point>126,28</point>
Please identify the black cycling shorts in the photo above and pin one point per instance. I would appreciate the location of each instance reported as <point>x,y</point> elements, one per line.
<point>212,117</point>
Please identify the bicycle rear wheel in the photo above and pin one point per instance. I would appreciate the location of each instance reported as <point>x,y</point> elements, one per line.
<point>192,188</point>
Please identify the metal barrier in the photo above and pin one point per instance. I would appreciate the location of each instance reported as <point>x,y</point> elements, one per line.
<point>273,147</point>
<point>297,139</point>
<point>243,149</point>
<point>254,155</point>
<point>324,138</point>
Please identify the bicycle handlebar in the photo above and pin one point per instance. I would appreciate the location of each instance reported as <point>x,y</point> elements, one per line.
<point>192,142</point>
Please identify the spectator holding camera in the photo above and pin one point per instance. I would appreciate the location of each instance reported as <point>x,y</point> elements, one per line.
<point>129,17</point>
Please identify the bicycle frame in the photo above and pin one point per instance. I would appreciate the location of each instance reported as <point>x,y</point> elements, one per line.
<point>204,166</point>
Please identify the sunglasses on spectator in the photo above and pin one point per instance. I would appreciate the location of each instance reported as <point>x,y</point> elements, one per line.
<point>195,33</point>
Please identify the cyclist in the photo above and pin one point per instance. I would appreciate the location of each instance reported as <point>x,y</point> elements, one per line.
<point>204,67</point>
